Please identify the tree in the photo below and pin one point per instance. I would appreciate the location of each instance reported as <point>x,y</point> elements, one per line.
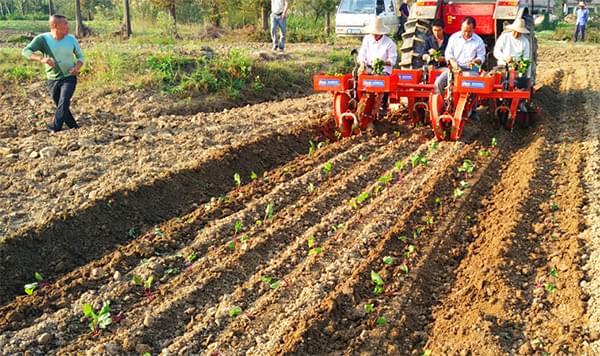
<point>50,8</point>
<point>126,19</point>
<point>79,28</point>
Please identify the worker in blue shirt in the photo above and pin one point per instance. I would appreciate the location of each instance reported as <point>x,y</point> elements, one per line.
<point>582,19</point>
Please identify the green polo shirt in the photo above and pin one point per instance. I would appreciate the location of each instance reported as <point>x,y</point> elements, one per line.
<point>65,52</point>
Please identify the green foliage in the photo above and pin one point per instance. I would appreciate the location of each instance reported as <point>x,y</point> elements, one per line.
<point>235,311</point>
<point>100,320</point>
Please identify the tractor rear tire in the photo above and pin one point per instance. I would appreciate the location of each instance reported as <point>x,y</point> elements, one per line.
<point>413,44</point>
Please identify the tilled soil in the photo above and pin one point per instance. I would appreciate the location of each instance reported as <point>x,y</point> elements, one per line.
<point>502,259</point>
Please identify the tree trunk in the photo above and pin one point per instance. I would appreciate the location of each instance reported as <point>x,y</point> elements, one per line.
<point>126,19</point>
<point>79,29</point>
<point>328,24</point>
<point>265,18</point>
<point>50,8</point>
<point>173,12</point>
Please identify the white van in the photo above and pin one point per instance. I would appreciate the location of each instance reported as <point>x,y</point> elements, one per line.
<point>353,15</point>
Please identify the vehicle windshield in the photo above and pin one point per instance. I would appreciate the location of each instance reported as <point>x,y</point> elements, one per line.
<point>357,7</point>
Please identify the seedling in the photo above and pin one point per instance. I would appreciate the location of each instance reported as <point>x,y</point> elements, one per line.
<point>311,148</point>
<point>399,165</point>
<point>369,308</point>
<point>555,207</point>
<point>30,287</point>
<point>322,144</point>
<point>235,311</point>
<point>550,287</point>
<point>428,220</point>
<point>237,179</point>
<point>253,175</point>
<point>147,284</point>
<point>388,260</point>
<point>231,245</point>
<point>172,270</point>
<point>494,142</point>
<point>311,187</point>
<point>418,232</point>
<point>362,197</point>
<point>438,201</point>
<point>313,249</point>
<point>327,167</point>
<point>485,153</point>
<point>100,320</point>
<point>416,159</point>
<point>337,227</point>
<point>237,226</point>
<point>427,352</point>
<point>381,321</point>
<point>377,189</point>
<point>385,179</point>
<point>467,167</point>
<point>133,232</point>
<point>464,184</point>
<point>458,193</point>
<point>434,145</point>
<point>553,272</point>
<point>362,157</point>
<point>404,267</point>
<point>191,257</point>
<point>158,232</point>
<point>269,212</point>
<point>379,284</point>
<point>403,238</point>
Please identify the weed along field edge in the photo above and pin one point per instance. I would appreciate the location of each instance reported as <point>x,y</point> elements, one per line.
<point>241,230</point>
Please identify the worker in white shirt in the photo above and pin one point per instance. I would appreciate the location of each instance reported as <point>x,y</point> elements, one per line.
<point>512,45</point>
<point>376,45</point>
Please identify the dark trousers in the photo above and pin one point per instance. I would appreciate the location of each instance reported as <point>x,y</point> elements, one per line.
<point>61,91</point>
<point>579,29</point>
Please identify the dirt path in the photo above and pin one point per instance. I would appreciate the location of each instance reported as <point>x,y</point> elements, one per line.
<point>501,259</point>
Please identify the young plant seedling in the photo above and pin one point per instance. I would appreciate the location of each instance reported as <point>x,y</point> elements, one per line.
<point>231,245</point>
<point>404,267</point>
<point>555,207</point>
<point>485,153</point>
<point>369,308</point>
<point>438,201</point>
<point>403,238</point>
<point>550,287</point>
<point>269,212</point>
<point>30,287</point>
<point>428,220</point>
<point>378,281</point>
<point>427,352</point>
<point>434,145</point>
<point>381,321</point>
<point>133,232</point>
<point>362,197</point>
<point>418,232</point>
<point>100,320</point>
<point>311,148</point>
<point>388,260</point>
<point>237,227</point>
<point>467,167</point>
<point>457,193</point>
<point>253,175</point>
<point>464,184</point>
<point>235,311</point>
<point>313,249</point>
<point>399,165</point>
<point>322,144</point>
<point>385,179</point>
<point>494,142</point>
<point>553,272</point>
<point>158,232</point>
<point>237,179</point>
<point>191,258</point>
<point>416,159</point>
<point>147,284</point>
<point>269,280</point>
<point>327,167</point>
<point>311,187</point>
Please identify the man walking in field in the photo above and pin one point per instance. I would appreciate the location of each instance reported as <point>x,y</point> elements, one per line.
<point>279,10</point>
<point>582,19</point>
<point>62,57</point>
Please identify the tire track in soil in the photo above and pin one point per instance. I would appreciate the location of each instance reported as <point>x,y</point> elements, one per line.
<point>229,274</point>
<point>277,313</point>
<point>177,233</point>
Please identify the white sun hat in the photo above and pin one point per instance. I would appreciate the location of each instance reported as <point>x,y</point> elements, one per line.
<point>518,25</point>
<point>376,27</point>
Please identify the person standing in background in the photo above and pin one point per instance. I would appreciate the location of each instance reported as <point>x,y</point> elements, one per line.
<point>582,18</point>
<point>279,10</point>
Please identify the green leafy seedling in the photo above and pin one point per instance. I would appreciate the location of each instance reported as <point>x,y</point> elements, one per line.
<point>464,184</point>
<point>404,268</point>
<point>158,232</point>
<point>457,193</point>
<point>427,352</point>
<point>553,272</point>
<point>438,201</point>
<point>555,207</point>
<point>467,167</point>
<point>253,175</point>
<point>311,148</point>
<point>381,321</point>
<point>133,232</point>
<point>237,179</point>
<point>311,187</point>
<point>313,248</point>
<point>428,220</point>
<point>485,153</point>
<point>385,179</point>
<point>237,226</point>
<point>31,287</point>
<point>494,142</point>
<point>369,308</point>
<point>416,159</point>
<point>192,257</point>
<point>378,281</point>
<point>327,167</point>
<point>388,260</point>
<point>399,165</point>
<point>269,212</point>
<point>434,145</point>
<point>231,245</point>
<point>235,311</point>
<point>362,197</point>
<point>100,320</point>
<point>550,287</point>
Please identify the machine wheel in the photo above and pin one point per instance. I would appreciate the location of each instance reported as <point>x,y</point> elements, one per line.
<point>421,116</point>
<point>413,43</point>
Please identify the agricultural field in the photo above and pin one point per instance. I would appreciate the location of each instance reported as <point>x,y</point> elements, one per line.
<point>161,228</point>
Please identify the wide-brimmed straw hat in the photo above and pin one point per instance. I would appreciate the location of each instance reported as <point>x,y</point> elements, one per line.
<point>376,27</point>
<point>581,3</point>
<point>518,25</point>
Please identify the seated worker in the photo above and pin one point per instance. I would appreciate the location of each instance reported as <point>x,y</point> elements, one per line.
<point>437,41</point>
<point>376,45</point>
<point>511,44</point>
<point>465,53</point>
